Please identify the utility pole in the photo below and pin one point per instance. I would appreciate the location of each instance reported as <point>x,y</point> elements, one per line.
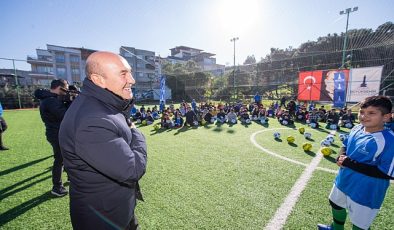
<point>17,85</point>
<point>234,91</point>
<point>347,11</point>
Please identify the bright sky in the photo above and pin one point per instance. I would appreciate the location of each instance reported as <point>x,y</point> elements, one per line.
<point>159,25</point>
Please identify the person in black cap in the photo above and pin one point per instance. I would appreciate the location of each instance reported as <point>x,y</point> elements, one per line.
<point>52,110</point>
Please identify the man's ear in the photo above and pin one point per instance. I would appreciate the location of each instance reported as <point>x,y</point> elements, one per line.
<point>97,80</point>
<point>386,117</point>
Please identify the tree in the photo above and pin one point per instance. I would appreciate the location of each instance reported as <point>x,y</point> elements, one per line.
<point>250,60</point>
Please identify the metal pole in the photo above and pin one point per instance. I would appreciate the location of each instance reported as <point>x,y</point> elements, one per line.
<point>17,85</point>
<point>347,11</point>
<point>234,91</point>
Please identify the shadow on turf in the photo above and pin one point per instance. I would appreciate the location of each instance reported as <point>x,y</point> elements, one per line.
<point>24,207</point>
<point>330,158</point>
<point>293,144</point>
<point>310,153</point>
<point>16,168</point>
<point>4,193</point>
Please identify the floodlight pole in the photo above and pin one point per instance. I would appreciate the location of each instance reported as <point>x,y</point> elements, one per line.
<point>234,40</point>
<point>347,11</point>
<point>17,85</point>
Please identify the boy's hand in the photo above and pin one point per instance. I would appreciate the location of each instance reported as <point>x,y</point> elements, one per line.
<point>340,160</point>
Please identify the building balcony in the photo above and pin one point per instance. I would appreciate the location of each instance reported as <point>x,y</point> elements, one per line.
<point>35,60</point>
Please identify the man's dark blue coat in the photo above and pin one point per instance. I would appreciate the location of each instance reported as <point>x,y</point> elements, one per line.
<point>103,157</point>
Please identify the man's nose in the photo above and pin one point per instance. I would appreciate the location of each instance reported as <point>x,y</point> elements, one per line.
<point>131,80</point>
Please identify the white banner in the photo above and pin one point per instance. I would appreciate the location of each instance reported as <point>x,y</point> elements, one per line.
<point>364,82</point>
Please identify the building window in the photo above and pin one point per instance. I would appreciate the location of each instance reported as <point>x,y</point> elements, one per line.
<point>61,72</point>
<point>60,57</point>
<point>44,69</point>
<point>74,59</point>
<point>140,65</point>
<point>75,71</point>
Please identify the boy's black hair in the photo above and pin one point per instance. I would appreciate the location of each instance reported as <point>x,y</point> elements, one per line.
<point>383,103</point>
<point>58,82</point>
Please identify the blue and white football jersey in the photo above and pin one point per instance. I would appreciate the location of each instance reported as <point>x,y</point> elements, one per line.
<point>369,148</point>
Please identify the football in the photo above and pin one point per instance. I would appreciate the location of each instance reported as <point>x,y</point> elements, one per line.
<point>349,125</point>
<point>342,137</point>
<point>263,121</point>
<point>307,135</point>
<point>333,127</point>
<point>301,130</point>
<point>307,146</point>
<point>290,139</point>
<point>212,120</point>
<point>326,151</point>
<point>313,125</point>
<point>247,121</point>
<point>277,135</point>
<point>284,122</point>
<point>325,143</point>
<point>144,122</point>
<point>156,127</point>
<point>330,138</point>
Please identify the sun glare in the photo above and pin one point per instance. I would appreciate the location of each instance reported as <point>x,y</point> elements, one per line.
<point>238,15</point>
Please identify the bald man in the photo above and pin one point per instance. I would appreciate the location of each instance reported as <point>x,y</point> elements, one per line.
<point>104,154</point>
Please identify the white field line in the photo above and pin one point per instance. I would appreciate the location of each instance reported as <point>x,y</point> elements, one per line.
<point>284,210</point>
<point>252,139</point>
<point>281,215</point>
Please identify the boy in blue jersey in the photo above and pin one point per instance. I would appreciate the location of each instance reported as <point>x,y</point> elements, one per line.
<point>366,166</point>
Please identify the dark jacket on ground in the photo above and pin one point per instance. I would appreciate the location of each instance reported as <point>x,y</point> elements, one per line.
<point>52,111</point>
<point>104,159</point>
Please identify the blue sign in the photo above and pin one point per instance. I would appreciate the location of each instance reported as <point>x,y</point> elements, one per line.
<point>339,89</point>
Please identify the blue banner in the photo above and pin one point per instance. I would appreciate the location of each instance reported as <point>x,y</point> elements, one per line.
<point>339,89</point>
<point>163,88</point>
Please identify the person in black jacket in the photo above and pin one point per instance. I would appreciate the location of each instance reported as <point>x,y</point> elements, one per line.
<point>52,110</point>
<point>104,153</point>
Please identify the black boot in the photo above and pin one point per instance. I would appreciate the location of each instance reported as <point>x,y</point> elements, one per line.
<point>2,147</point>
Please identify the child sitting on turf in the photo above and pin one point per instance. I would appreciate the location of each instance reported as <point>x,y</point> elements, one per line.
<point>270,111</point>
<point>347,120</point>
<point>221,116</point>
<point>232,116</point>
<point>177,119</point>
<point>155,113</point>
<point>244,116</point>
<point>300,115</point>
<point>166,120</point>
<point>332,119</point>
<point>366,166</point>
<point>149,118</point>
<point>312,118</point>
<point>285,118</point>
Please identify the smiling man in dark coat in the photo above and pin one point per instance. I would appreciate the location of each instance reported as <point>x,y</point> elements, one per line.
<point>104,154</point>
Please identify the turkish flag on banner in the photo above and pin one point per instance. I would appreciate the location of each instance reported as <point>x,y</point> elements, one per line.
<point>309,85</point>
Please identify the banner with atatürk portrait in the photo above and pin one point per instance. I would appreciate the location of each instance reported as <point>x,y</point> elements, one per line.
<point>364,82</point>
<point>319,85</point>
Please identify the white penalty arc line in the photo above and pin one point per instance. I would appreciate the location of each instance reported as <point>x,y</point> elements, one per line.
<point>252,139</point>
<point>281,215</point>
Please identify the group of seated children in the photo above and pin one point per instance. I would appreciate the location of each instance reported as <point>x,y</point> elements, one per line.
<point>194,115</point>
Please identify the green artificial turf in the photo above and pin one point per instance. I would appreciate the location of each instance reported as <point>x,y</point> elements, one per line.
<point>211,177</point>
